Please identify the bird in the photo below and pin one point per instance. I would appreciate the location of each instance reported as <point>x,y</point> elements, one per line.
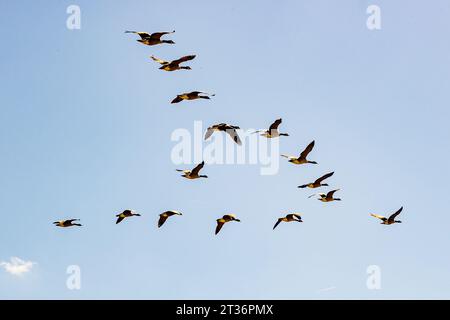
<point>289,218</point>
<point>230,129</point>
<point>152,39</point>
<point>328,197</point>
<point>175,64</point>
<point>191,96</point>
<point>67,223</point>
<point>273,132</point>
<point>193,174</point>
<point>126,214</point>
<point>318,183</point>
<point>163,216</point>
<point>391,219</point>
<point>302,158</point>
<point>226,218</point>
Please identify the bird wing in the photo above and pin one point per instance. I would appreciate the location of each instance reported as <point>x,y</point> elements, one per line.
<point>197,169</point>
<point>219,226</point>
<point>143,35</point>
<point>288,156</point>
<point>307,150</point>
<point>72,220</point>
<point>274,126</point>
<point>277,223</point>
<point>177,99</point>
<point>209,133</point>
<point>324,177</point>
<point>379,217</point>
<point>162,219</point>
<point>183,59</point>
<point>158,35</point>
<point>296,215</point>
<point>120,219</point>
<point>393,216</point>
<point>330,194</point>
<point>234,135</point>
<point>160,61</point>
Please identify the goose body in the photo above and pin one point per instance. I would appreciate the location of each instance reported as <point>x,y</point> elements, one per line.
<point>191,96</point>
<point>289,218</point>
<point>194,173</point>
<point>151,39</point>
<point>230,129</point>
<point>165,215</point>
<point>318,183</point>
<point>302,158</point>
<point>67,223</point>
<point>225,219</point>
<point>391,219</point>
<point>273,132</point>
<point>126,214</point>
<point>175,64</point>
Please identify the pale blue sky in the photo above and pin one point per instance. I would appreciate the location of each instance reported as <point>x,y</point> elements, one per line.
<point>86,133</point>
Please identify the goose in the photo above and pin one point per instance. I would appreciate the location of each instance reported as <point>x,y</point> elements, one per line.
<point>191,96</point>
<point>163,216</point>
<point>273,132</point>
<point>126,214</point>
<point>327,197</point>
<point>67,223</point>
<point>152,39</point>
<point>391,219</point>
<point>226,218</point>
<point>193,174</point>
<point>175,64</point>
<point>230,129</point>
<point>289,218</point>
<point>302,158</point>
<point>318,183</point>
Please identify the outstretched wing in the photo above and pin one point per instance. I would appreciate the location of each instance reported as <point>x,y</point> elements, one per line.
<point>158,35</point>
<point>143,35</point>
<point>209,133</point>
<point>379,217</point>
<point>197,169</point>
<point>160,61</point>
<point>392,217</point>
<point>183,59</point>
<point>177,99</point>
<point>307,150</point>
<point>274,126</point>
<point>234,135</point>
<point>324,177</point>
<point>119,219</point>
<point>219,226</point>
<point>162,219</point>
<point>277,223</point>
<point>330,194</point>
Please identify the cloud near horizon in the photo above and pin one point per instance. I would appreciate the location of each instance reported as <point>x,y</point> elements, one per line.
<point>17,266</point>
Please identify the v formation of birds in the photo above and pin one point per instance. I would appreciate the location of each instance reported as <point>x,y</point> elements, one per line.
<point>231,130</point>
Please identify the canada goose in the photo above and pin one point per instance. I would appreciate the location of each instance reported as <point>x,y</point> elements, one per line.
<point>163,216</point>
<point>302,158</point>
<point>67,223</point>
<point>289,218</point>
<point>327,197</point>
<point>318,183</point>
<point>125,214</point>
<point>193,174</point>
<point>191,96</point>
<point>226,218</point>
<point>391,219</point>
<point>175,64</point>
<point>152,39</point>
<point>231,130</point>
<point>273,130</point>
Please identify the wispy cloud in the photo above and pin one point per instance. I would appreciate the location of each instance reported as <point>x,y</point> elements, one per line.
<point>17,266</point>
<point>326,289</point>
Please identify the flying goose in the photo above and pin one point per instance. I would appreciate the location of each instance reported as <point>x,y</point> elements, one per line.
<point>327,197</point>
<point>163,216</point>
<point>289,218</point>
<point>152,39</point>
<point>67,223</point>
<point>273,132</point>
<point>230,129</point>
<point>126,214</point>
<point>391,219</point>
<point>191,96</point>
<point>226,218</point>
<point>318,183</point>
<point>193,174</point>
<point>302,158</point>
<point>175,64</point>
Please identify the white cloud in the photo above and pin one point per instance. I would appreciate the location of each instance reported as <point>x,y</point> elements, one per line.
<point>17,266</point>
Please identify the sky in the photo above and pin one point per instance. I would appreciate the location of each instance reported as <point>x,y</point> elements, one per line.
<point>86,133</point>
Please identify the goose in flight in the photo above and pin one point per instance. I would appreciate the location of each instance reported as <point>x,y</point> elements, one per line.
<point>302,158</point>
<point>163,216</point>
<point>273,130</point>
<point>126,214</point>
<point>193,174</point>
<point>231,130</point>
<point>289,218</point>
<point>328,197</point>
<point>318,183</point>
<point>192,96</point>
<point>67,223</point>
<point>152,39</point>
<point>175,64</point>
<point>391,219</point>
<point>226,218</point>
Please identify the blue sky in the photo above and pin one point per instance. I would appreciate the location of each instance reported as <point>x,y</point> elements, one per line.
<point>86,133</point>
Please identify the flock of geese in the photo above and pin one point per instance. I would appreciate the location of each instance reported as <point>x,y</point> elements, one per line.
<point>231,130</point>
